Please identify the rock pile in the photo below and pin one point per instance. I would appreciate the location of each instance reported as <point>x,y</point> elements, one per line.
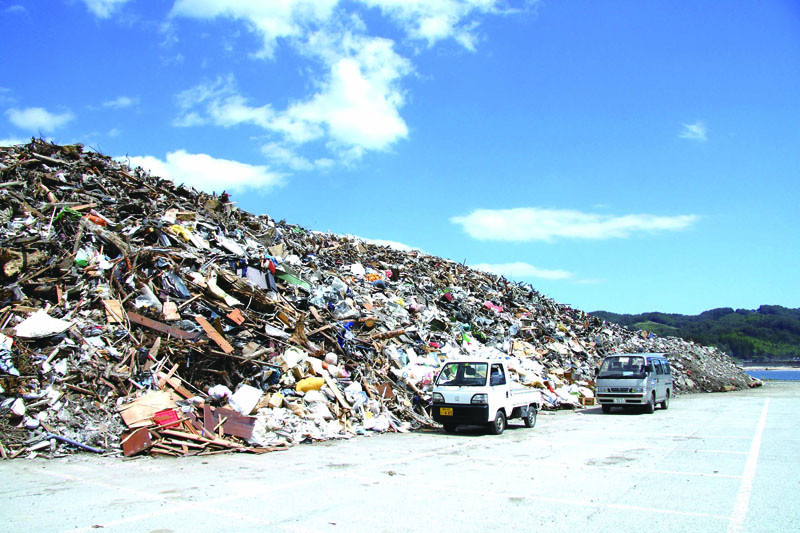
<point>137,315</point>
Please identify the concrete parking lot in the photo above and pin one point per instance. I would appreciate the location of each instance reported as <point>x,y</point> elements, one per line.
<point>712,462</point>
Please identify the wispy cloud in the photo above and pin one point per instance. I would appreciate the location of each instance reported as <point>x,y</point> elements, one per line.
<point>694,132</point>
<point>356,107</point>
<point>521,270</point>
<point>121,102</point>
<point>539,224</point>
<point>433,21</point>
<point>357,92</point>
<point>104,8</point>
<point>15,9</point>
<point>6,96</point>
<point>11,141</point>
<point>209,174</point>
<point>286,156</point>
<point>399,246</point>
<point>272,20</point>
<point>36,119</point>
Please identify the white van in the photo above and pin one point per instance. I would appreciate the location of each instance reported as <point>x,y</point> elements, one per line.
<point>634,380</point>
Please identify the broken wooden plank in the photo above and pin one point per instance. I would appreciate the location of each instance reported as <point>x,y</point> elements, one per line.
<point>136,441</point>
<point>139,412</point>
<point>214,335</point>
<point>237,317</point>
<point>162,380</point>
<point>176,383</point>
<point>232,423</point>
<point>199,438</point>
<point>335,388</point>
<point>163,328</point>
<point>170,311</point>
<point>114,312</point>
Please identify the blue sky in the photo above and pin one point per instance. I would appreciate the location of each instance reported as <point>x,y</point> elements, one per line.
<point>623,155</point>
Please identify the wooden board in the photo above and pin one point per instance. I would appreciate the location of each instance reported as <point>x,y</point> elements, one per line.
<point>335,388</point>
<point>163,328</point>
<point>139,412</point>
<point>214,335</point>
<point>234,423</point>
<point>237,317</point>
<point>136,441</point>
<point>114,312</point>
<point>176,383</point>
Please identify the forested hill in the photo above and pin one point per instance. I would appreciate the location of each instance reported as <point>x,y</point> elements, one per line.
<point>771,332</point>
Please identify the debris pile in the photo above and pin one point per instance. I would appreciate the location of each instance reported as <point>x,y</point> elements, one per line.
<point>141,316</point>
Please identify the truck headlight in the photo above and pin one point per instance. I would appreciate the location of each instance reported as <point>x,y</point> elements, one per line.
<point>480,399</point>
<point>438,398</point>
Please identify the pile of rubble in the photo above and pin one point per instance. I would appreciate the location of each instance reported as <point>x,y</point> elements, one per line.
<point>141,316</point>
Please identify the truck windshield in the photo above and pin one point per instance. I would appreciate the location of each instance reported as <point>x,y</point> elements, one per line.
<point>463,374</point>
<point>622,367</point>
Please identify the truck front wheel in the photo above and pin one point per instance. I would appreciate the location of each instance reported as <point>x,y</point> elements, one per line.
<point>499,425</point>
<point>530,420</point>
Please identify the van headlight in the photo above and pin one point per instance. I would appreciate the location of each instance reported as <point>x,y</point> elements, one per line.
<point>438,398</point>
<point>480,399</point>
<point>602,389</point>
<point>637,389</point>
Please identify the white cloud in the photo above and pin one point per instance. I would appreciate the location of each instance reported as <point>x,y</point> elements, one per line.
<point>11,141</point>
<point>399,246</point>
<point>538,224</point>
<point>694,132</point>
<point>121,102</point>
<point>209,174</point>
<point>6,97</point>
<point>16,8</point>
<point>356,107</point>
<point>436,20</point>
<point>520,270</point>
<point>272,19</point>
<point>357,93</point>
<point>358,104</point>
<point>38,119</point>
<point>104,8</point>
<point>286,157</point>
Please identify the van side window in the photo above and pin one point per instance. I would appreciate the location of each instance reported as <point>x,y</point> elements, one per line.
<point>659,368</point>
<point>667,369</point>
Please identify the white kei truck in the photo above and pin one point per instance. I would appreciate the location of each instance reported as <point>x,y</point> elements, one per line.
<point>479,392</point>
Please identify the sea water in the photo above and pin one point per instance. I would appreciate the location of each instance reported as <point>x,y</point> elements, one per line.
<point>775,375</point>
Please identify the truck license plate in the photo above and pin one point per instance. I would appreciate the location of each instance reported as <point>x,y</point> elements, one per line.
<point>619,400</point>
<point>446,411</point>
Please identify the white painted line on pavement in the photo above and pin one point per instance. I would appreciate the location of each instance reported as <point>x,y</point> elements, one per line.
<point>746,488</point>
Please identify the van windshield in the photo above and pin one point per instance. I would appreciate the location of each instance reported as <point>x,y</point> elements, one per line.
<point>463,374</point>
<point>622,367</point>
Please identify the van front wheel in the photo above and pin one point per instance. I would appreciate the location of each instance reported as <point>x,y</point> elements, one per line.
<point>499,425</point>
<point>650,406</point>
<point>665,403</point>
